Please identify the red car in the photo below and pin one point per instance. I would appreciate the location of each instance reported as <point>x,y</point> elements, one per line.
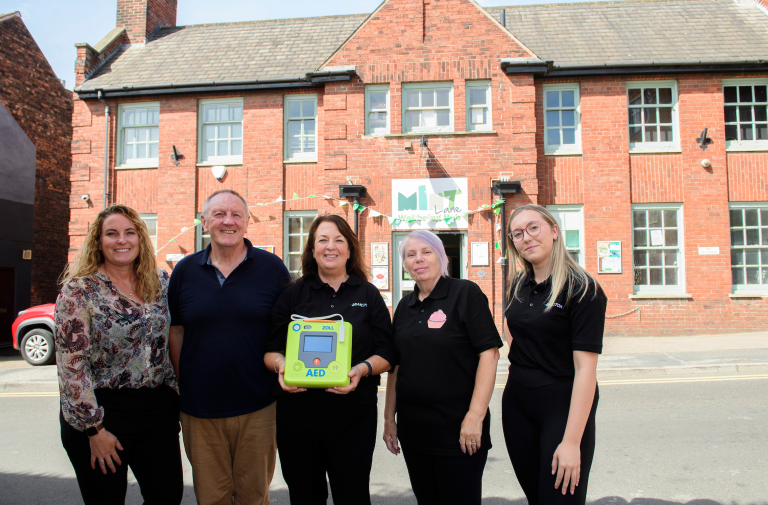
<point>33,334</point>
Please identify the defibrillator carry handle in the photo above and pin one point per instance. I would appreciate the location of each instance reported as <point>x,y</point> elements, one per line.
<point>297,317</point>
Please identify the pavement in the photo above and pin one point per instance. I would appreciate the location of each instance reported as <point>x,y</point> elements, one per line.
<point>622,357</point>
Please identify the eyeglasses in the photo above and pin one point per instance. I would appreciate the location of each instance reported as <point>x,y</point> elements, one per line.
<point>533,230</point>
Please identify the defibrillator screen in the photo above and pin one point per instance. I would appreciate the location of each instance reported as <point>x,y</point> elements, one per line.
<point>318,344</point>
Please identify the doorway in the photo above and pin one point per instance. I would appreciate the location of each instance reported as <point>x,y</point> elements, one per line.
<point>455,243</point>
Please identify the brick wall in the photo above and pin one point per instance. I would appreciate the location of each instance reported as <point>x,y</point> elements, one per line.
<point>42,107</point>
<point>142,17</point>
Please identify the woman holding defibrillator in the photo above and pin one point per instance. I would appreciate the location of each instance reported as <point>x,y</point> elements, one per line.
<point>555,320</point>
<point>446,353</point>
<point>331,431</point>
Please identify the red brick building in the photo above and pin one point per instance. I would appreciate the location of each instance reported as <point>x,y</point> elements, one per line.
<point>35,136</point>
<point>427,104</point>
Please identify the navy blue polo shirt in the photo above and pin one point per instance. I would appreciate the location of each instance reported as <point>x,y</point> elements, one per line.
<point>221,368</point>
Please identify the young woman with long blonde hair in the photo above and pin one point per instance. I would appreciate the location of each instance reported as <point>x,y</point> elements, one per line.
<point>119,398</point>
<point>555,322</point>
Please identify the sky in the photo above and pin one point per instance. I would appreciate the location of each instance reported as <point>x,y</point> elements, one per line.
<point>57,25</point>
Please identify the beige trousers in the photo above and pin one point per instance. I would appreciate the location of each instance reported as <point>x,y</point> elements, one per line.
<point>232,457</point>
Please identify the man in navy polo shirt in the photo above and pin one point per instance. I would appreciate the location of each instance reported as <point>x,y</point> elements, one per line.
<point>220,301</point>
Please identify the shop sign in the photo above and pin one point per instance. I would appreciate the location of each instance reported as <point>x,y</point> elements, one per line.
<point>439,204</point>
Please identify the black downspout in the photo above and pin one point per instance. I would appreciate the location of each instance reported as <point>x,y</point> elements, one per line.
<point>357,213</point>
<point>503,262</point>
<point>106,146</point>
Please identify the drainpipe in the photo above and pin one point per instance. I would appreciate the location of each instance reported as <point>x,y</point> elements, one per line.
<point>503,188</point>
<point>106,146</point>
<point>357,214</point>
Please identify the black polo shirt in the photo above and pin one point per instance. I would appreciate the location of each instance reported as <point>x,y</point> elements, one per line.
<point>543,342</point>
<point>362,306</point>
<point>437,346</point>
<point>221,368</point>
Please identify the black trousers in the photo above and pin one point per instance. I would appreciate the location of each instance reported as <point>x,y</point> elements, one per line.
<point>150,448</point>
<point>446,480</point>
<point>534,421</point>
<point>315,438</point>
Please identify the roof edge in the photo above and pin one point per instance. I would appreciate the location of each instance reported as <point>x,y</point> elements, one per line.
<point>502,27</point>
<point>657,68</point>
<point>108,39</point>
<point>10,15</point>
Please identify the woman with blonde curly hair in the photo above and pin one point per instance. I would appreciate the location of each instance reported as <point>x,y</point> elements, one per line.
<point>119,398</point>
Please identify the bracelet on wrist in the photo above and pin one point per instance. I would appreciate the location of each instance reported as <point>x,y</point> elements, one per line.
<point>274,366</point>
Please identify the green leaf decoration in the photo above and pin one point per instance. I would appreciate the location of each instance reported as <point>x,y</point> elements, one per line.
<point>497,245</point>
<point>485,206</point>
<point>197,222</point>
<point>312,196</point>
<point>295,196</point>
<point>173,239</point>
<point>356,206</point>
<point>497,210</point>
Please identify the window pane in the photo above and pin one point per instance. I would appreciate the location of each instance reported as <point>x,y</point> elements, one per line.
<point>309,144</point>
<point>654,258</point>
<point>141,116</point>
<point>209,149</point>
<point>309,127</point>
<point>635,134</point>
<point>236,130</point>
<point>641,238</point>
<point>751,257</point>
<point>294,128</point>
<point>670,258</point>
<point>654,219</point>
<point>730,114</point>
<point>753,275</point>
<point>745,93</point>
<point>294,244</point>
<point>130,135</point>
<point>294,262</point>
<point>294,145</point>
<point>569,99</point>
<point>761,131</point>
<point>764,256</point>
<point>209,132</point>
<point>746,132</point>
<point>649,115</point>
<point>729,94</point>
<point>294,225</point>
<point>764,275</point>
<point>760,113</point>
<point>765,237</point>
<point>553,137</point>
<point>236,112</point>
<point>665,95</point>
<point>670,218</point>
<point>412,119</point>
<point>428,98</point>
<point>760,94</point>
<point>651,134</point>
<point>128,118</point>
<point>377,100</point>
<point>641,277</point>
<point>443,97</point>
<point>553,99</point>
<point>635,116</point>
<point>141,134</point>
<point>308,108</point>
<point>307,222</point>
<point>737,257</point>
<point>656,277</point>
<point>154,134</point>
<point>237,148</point>
<point>649,96</point>
<point>731,132</point>
<point>223,147</point>
<point>153,116</point>
<point>429,118</point>
<point>553,118</point>
<point>737,237</point>
<point>209,114</point>
<point>569,135</point>
<point>294,109</point>
<point>638,219</point>
<point>665,115</point>
<point>568,117</point>
<point>128,152</point>
<point>635,97</point>
<point>477,96</point>
<point>223,131</point>
<point>477,116</point>
<point>444,117</point>
<point>750,217</point>
<point>572,238</point>
<point>745,113</point>
<point>153,151</point>
<point>151,226</point>
<point>413,98</point>
<point>222,113</point>
<point>737,275</point>
<point>574,255</point>
<point>640,258</point>
<point>665,134</point>
<point>141,151</point>
<point>670,276</point>
<point>753,236</point>
<point>764,217</point>
<point>377,120</point>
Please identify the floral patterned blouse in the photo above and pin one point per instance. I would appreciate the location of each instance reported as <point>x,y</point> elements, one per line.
<point>106,340</point>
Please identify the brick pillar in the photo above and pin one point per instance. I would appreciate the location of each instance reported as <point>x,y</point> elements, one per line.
<point>142,17</point>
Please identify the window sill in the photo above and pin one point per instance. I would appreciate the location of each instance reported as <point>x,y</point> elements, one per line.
<point>433,134</point>
<point>660,296</point>
<point>670,150</point>
<point>137,167</point>
<point>748,295</point>
<point>563,153</point>
<point>220,164</point>
<point>736,149</point>
<point>294,162</point>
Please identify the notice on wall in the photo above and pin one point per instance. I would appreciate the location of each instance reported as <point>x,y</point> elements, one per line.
<point>268,248</point>
<point>609,257</point>
<point>709,251</point>
<point>379,254</point>
<point>480,254</point>
<point>174,257</point>
<point>387,296</point>
<point>380,277</point>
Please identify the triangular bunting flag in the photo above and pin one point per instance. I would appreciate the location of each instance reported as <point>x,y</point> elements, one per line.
<point>295,196</point>
<point>197,222</point>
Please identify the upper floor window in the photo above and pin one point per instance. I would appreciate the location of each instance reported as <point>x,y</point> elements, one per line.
<point>561,119</point>
<point>570,220</point>
<point>377,109</point>
<point>301,127</point>
<point>657,248</point>
<point>652,116</point>
<point>151,221</point>
<point>749,246</point>
<point>221,131</point>
<point>478,105</point>
<point>138,135</point>
<point>746,114</point>
<point>428,107</point>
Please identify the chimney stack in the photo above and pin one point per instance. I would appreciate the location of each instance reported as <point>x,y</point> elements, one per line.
<point>141,18</point>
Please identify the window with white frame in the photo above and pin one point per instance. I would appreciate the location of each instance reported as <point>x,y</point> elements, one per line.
<point>202,237</point>
<point>746,113</point>
<point>301,127</point>
<point>296,230</point>
<point>151,221</point>
<point>478,105</point>
<point>570,220</point>
<point>377,109</point>
<point>221,131</point>
<point>561,119</point>
<point>428,107</point>
<point>749,246</point>
<point>138,135</point>
<point>652,108</point>
<point>657,248</point>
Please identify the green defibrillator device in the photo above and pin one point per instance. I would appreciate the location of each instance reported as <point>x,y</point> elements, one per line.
<point>318,352</point>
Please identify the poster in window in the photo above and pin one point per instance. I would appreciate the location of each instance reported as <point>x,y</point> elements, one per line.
<point>380,277</point>
<point>609,257</point>
<point>268,248</point>
<point>379,254</point>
